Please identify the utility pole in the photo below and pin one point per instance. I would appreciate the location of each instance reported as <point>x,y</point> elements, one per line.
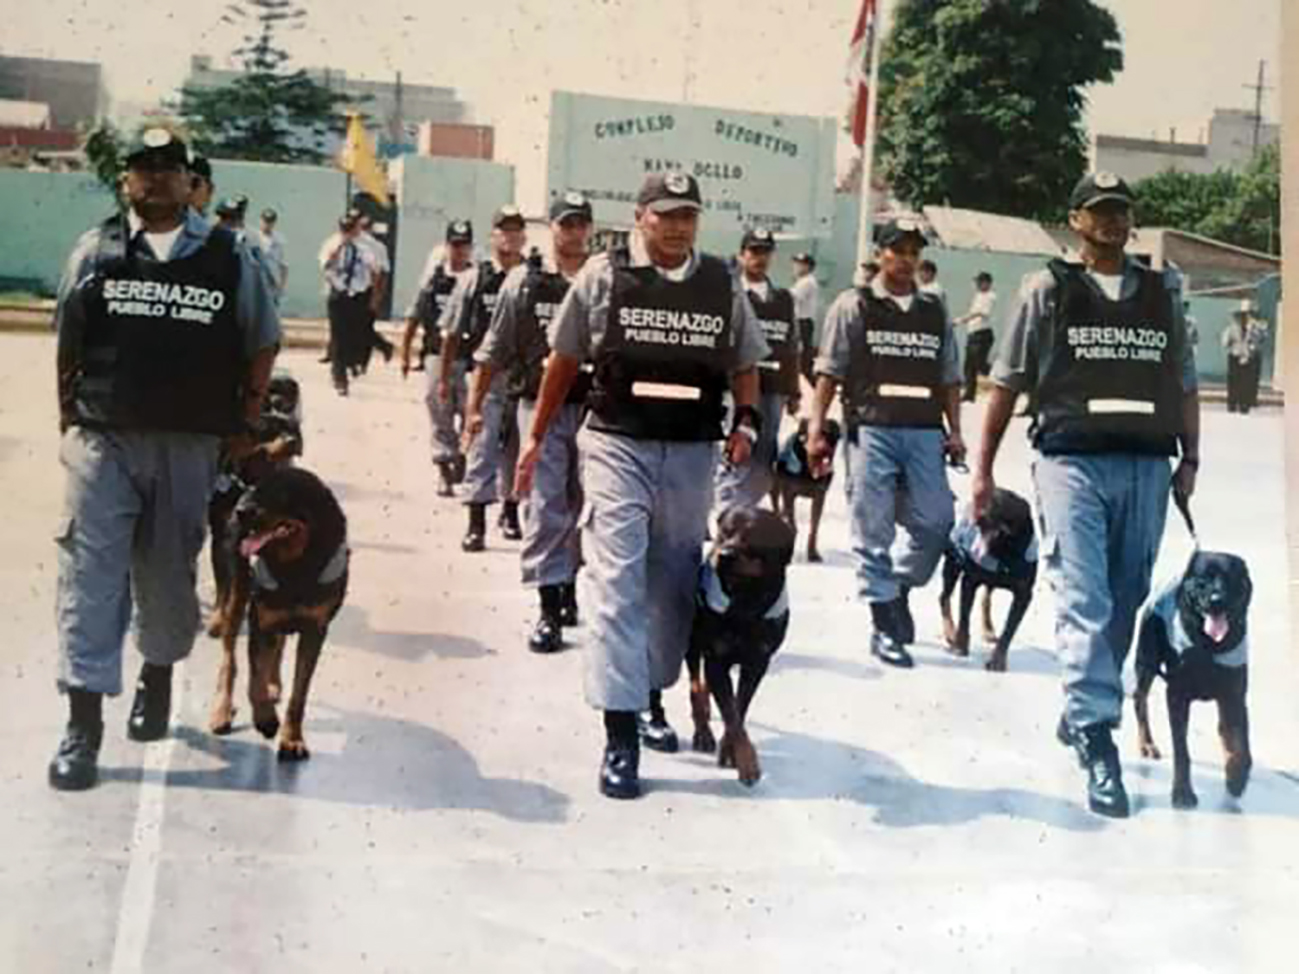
<point>1258,88</point>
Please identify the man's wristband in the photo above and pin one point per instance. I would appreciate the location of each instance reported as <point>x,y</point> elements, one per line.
<point>748,420</point>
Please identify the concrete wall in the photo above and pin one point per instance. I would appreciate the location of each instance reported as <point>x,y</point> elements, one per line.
<point>41,216</point>
<point>431,193</point>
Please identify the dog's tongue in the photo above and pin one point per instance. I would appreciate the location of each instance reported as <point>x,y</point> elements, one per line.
<point>254,543</point>
<point>1216,626</point>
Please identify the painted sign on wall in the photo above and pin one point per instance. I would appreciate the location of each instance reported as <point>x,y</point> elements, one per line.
<point>773,171</point>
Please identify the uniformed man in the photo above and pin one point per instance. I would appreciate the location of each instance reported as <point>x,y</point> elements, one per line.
<point>349,271</point>
<point>927,281</point>
<point>441,272</point>
<point>1102,342</point>
<point>517,344</point>
<point>1243,341</point>
<point>749,483</point>
<point>166,338</point>
<point>229,216</point>
<point>891,344</point>
<point>978,333</point>
<point>271,242</point>
<point>201,186</point>
<point>464,324</point>
<point>807,309</point>
<point>668,331</point>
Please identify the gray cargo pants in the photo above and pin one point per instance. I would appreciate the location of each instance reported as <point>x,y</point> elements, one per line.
<point>133,523</point>
<point>549,555</point>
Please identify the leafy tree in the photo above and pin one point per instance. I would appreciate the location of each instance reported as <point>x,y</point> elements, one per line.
<point>1238,208</point>
<point>104,153</point>
<point>267,114</point>
<point>981,101</point>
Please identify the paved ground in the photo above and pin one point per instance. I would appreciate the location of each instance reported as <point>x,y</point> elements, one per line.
<point>448,820</point>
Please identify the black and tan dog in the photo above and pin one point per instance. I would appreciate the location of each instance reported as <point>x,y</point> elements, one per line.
<point>741,616</point>
<point>792,478</point>
<point>291,577</point>
<point>996,551</point>
<point>1193,634</point>
<point>278,442</point>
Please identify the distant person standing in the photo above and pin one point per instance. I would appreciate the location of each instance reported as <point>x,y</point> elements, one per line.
<point>927,281</point>
<point>1243,341</point>
<point>441,272</point>
<point>807,310</point>
<point>273,256</point>
<point>201,185</point>
<point>349,271</point>
<point>978,334</point>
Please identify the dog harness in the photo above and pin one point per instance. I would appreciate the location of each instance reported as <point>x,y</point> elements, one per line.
<point>969,542</point>
<point>332,572</point>
<point>715,598</point>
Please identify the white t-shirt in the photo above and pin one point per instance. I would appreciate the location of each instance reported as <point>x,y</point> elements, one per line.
<point>980,313</point>
<point>903,301</point>
<point>1111,285</point>
<point>160,243</point>
<point>761,288</point>
<point>807,295</point>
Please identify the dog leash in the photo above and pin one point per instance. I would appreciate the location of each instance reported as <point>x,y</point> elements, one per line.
<point>1184,506</point>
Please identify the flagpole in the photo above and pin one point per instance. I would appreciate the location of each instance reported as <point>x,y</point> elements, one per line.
<point>865,218</point>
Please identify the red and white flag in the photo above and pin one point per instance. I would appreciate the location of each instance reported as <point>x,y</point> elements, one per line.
<point>859,72</point>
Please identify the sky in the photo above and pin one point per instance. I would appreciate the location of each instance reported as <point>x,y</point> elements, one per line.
<point>1183,57</point>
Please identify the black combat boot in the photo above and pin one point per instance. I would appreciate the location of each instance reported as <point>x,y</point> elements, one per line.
<point>620,767</point>
<point>568,604</point>
<point>547,636</point>
<point>151,708</point>
<point>476,537</point>
<point>508,522</point>
<point>906,626</point>
<point>655,731</point>
<point>75,764</point>
<point>1097,755</point>
<point>885,644</point>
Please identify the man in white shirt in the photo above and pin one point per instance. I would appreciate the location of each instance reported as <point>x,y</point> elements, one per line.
<point>349,270</point>
<point>371,339</point>
<point>272,246</point>
<point>978,333</point>
<point>807,309</point>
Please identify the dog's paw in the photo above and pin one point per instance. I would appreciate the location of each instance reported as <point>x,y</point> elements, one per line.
<point>1237,776</point>
<point>293,750</point>
<point>726,752</point>
<point>996,663</point>
<point>814,556</point>
<point>268,727</point>
<point>216,625</point>
<point>703,742</point>
<point>1149,750</point>
<point>990,637</point>
<point>956,647</point>
<point>221,720</point>
<point>746,762</point>
<point>1184,797</point>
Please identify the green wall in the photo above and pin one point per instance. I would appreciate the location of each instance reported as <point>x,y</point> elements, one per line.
<point>41,216</point>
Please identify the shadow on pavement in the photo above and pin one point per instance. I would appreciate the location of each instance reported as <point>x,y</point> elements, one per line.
<point>803,767</point>
<point>352,627</point>
<point>383,762</point>
<point>1021,659</point>
<point>859,670</point>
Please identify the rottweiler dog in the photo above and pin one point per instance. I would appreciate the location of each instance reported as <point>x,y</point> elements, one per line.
<point>996,551</point>
<point>792,478</point>
<point>291,577</point>
<point>278,442</point>
<point>741,616</point>
<point>1193,634</point>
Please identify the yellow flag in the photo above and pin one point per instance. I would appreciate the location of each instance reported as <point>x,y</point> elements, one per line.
<point>358,158</point>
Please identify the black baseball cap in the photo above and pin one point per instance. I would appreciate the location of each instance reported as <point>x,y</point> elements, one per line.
<point>269,215</point>
<point>228,206</point>
<point>898,229</point>
<point>572,203</point>
<point>1097,187</point>
<point>460,231</point>
<point>509,213</point>
<point>757,238</point>
<point>665,191</point>
<point>199,166</point>
<point>158,143</point>
<point>805,258</point>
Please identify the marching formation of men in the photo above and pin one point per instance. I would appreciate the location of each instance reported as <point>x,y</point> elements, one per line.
<point>615,401</point>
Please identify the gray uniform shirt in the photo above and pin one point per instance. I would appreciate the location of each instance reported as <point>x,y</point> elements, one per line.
<point>844,315</point>
<point>1035,304</point>
<point>255,311</point>
<point>579,325</point>
<point>500,347</point>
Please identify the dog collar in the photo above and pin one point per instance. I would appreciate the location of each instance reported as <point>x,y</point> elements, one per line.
<point>1234,658</point>
<point>332,572</point>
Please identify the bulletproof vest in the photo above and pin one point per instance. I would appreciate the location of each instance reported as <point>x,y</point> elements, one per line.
<point>478,312</point>
<point>432,302</point>
<point>895,364</point>
<point>662,365</point>
<point>539,299</point>
<point>1109,372</point>
<point>778,373</point>
<point>161,348</point>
